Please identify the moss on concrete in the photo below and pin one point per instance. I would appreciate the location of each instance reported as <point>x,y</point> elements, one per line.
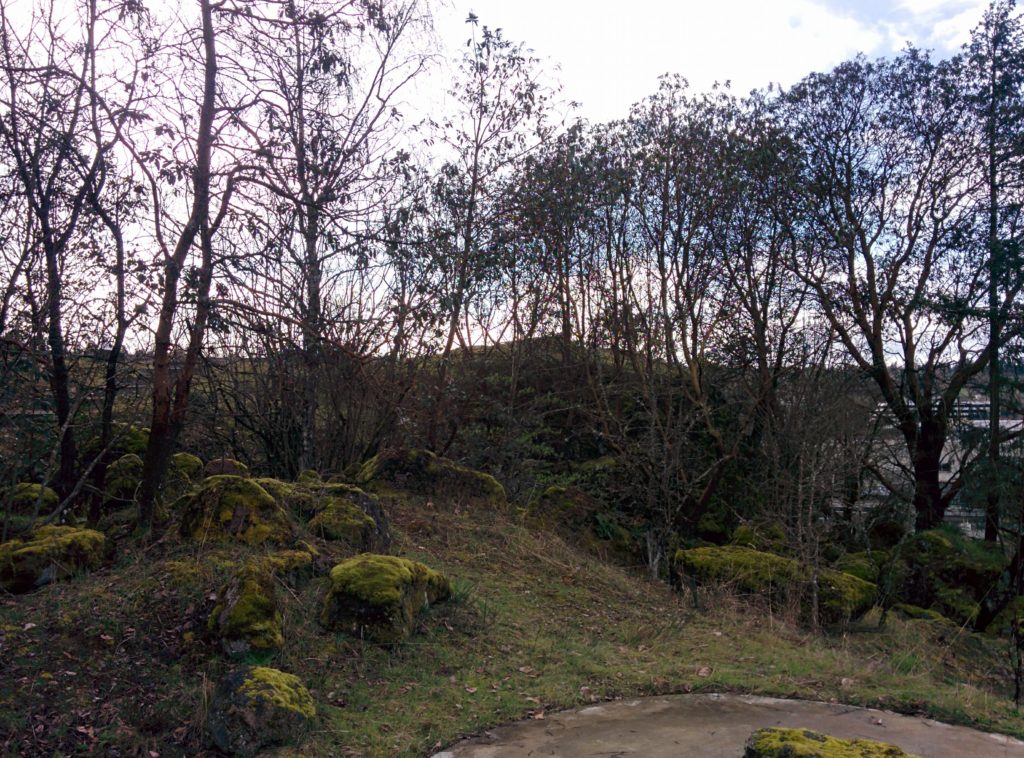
<point>777,742</point>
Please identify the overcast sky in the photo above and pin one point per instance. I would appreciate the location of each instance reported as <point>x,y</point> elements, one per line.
<point>610,52</point>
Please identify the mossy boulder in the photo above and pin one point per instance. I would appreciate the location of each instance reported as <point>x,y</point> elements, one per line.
<point>348,514</point>
<point>258,707</point>
<point>841,597</point>
<point>778,742</point>
<point>231,508</point>
<point>377,597</point>
<point>122,481</point>
<point>422,473</point>
<point>188,466</point>
<point>225,466</point>
<point>48,554</point>
<point>246,618</point>
<point>24,502</point>
<point>949,572</point>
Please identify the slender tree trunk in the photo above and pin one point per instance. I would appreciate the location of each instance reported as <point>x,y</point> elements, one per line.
<point>170,399</point>
<point>992,496</point>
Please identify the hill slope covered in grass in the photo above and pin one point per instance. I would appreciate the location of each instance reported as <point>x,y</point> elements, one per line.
<point>120,661</point>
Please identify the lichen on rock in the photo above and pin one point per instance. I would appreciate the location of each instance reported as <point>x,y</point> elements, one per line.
<point>423,473</point>
<point>778,742</point>
<point>257,707</point>
<point>48,554</point>
<point>226,508</point>
<point>246,618</point>
<point>377,597</point>
<point>841,597</point>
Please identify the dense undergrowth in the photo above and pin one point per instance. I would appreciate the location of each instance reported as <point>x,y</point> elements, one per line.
<point>119,662</point>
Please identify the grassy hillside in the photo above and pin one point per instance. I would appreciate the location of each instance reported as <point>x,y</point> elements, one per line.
<point>119,662</point>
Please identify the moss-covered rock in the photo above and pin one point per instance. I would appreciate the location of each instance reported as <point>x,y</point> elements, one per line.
<point>949,572</point>
<point>246,618</point>
<point>914,613</point>
<point>225,466</point>
<point>293,497</point>
<point>294,567</point>
<point>841,597</point>
<point>21,504</point>
<point>122,481</point>
<point>423,473</point>
<point>258,707</point>
<point>225,508</point>
<point>377,597</point>
<point>309,477</point>
<point>778,742</point>
<point>187,466</point>
<point>348,514</point>
<point>48,554</point>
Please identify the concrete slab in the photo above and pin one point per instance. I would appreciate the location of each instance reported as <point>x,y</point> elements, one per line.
<point>718,725</point>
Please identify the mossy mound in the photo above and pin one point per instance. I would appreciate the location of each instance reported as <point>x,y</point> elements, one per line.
<point>24,502</point>
<point>48,554</point>
<point>225,508</point>
<point>309,477</point>
<point>914,613</point>
<point>225,467</point>
<point>423,473</point>
<point>769,538</point>
<point>861,565</point>
<point>246,618</point>
<point>377,597</point>
<point>778,742</point>
<point>258,707</point>
<point>949,572</point>
<point>841,597</point>
<point>122,481</point>
<point>187,466</point>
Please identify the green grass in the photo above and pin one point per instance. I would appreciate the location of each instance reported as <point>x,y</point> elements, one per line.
<point>534,626</point>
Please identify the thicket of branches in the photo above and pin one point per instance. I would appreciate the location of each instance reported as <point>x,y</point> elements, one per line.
<point>218,222</point>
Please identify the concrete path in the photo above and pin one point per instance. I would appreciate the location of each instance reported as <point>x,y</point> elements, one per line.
<point>718,725</point>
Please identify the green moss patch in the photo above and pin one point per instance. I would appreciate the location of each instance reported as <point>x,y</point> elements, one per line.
<point>21,504</point>
<point>841,597</point>
<point>377,597</point>
<point>226,508</point>
<point>423,473</point>
<point>122,480</point>
<point>50,553</point>
<point>777,742</point>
